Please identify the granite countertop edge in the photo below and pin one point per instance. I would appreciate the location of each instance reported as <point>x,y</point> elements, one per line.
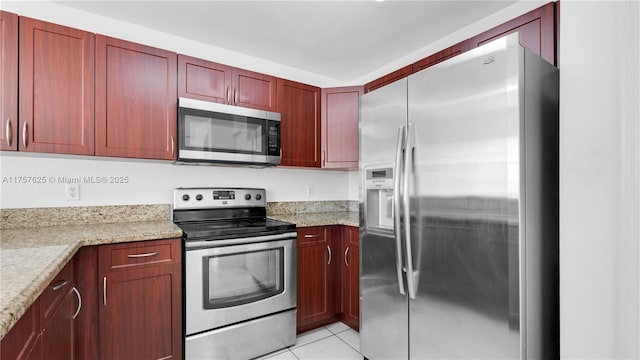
<point>348,218</point>
<point>56,245</point>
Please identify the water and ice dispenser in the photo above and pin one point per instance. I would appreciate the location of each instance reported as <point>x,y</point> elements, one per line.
<point>379,197</point>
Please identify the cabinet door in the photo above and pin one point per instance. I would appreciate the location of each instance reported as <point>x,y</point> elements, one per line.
<point>203,80</point>
<point>56,88</point>
<point>315,298</point>
<point>254,90</point>
<point>351,277</point>
<point>23,340</point>
<point>536,28</point>
<point>441,56</point>
<point>85,274</point>
<point>136,100</point>
<point>58,334</point>
<point>299,107</point>
<point>340,114</point>
<point>8,81</point>
<point>388,79</point>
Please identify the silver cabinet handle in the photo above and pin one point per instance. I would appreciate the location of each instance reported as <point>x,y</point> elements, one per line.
<point>312,236</point>
<point>323,157</point>
<point>228,94</point>
<point>24,135</point>
<point>142,255</point>
<point>329,250</point>
<point>172,145</point>
<point>346,253</point>
<point>104,291</point>
<point>7,132</point>
<point>397,223</point>
<point>75,315</point>
<point>235,96</point>
<point>60,285</point>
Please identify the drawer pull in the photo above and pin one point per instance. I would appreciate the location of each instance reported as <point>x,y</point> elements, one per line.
<point>312,236</point>
<point>60,285</point>
<point>329,250</point>
<point>79,302</point>
<point>142,255</point>
<point>346,255</point>
<point>104,290</point>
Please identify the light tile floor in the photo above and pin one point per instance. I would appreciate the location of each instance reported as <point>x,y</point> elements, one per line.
<point>336,341</point>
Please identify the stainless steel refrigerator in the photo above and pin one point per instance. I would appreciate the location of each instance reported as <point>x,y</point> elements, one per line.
<point>459,210</point>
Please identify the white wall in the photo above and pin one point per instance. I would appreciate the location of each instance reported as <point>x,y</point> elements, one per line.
<point>599,179</point>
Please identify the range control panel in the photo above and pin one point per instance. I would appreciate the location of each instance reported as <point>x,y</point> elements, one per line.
<point>212,198</point>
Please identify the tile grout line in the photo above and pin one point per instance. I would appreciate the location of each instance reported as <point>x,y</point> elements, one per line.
<point>344,341</point>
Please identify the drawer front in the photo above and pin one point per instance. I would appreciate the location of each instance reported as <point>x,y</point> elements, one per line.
<point>54,293</point>
<point>312,234</point>
<point>139,254</point>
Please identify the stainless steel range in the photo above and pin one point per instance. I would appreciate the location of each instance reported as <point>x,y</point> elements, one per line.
<point>240,279</point>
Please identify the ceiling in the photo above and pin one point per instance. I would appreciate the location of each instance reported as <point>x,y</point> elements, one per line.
<point>341,40</point>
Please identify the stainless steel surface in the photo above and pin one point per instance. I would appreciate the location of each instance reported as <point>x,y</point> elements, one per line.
<point>329,252</point>
<point>258,198</point>
<point>7,131</point>
<point>267,160</point>
<point>235,96</point>
<point>476,198</point>
<point>228,94</point>
<point>104,291</point>
<point>246,340</point>
<point>60,285</point>
<point>142,255</point>
<point>248,240</point>
<point>24,135</point>
<point>227,109</point>
<point>75,314</point>
<point>173,145</point>
<point>199,319</point>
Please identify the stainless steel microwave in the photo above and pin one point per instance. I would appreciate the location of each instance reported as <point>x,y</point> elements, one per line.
<point>218,133</point>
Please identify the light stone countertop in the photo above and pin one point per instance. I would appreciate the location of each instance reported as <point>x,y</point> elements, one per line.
<point>349,218</point>
<point>30,258</point>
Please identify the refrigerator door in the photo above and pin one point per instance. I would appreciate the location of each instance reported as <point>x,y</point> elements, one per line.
<point>383,306</point>
<point>463,117</point>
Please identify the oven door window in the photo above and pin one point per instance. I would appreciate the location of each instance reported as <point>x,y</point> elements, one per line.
<point>207,131</point>
<point>243,277</point>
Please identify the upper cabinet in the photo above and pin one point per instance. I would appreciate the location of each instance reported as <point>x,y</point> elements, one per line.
<point>340,113</point>
<point>136,100</point>
<point>56,88</point>
<point>388,79</point>
<point>441,56</point>
<point>8,81</point>
<point>209,81</point>
<point>299,107</point>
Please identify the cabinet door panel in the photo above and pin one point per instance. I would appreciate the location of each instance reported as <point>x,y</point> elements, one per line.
<point>136,104</point>
<point>299,107</point>
<point>8,81</point>
<point>254,90</point>
<point>58,335</point>
<point>23,340</point>
<point>142,315</point>
<point>203,80</point>
<point>340,114</point>
<point>56,88</point>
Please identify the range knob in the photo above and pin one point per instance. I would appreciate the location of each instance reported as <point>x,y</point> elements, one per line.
<point>185,197</point>
<point>199,197</point>
<point>247,197</point>
<point>258,197</point>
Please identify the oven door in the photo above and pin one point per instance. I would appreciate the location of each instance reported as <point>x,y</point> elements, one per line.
<point>238,282</point>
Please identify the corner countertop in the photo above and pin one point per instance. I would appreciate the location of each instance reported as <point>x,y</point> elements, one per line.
<point>349,218</point>
<point>30,258</point>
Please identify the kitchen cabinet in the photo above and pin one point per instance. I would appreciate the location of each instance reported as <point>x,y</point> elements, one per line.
<point>58,334</point>
<point>209,81</point>
<point>441,56</point>
<point>56,91</point>
<point>136,100</point>
<point>140,297</point>
<point>350,277</point>
<point>339,115</point>
<point>85,274</point>
<point>300,133</point>
<point>9,83</point>
<point>388,79</point>
<point>316,267</point>
<point>23,341</point>
<point>537,32</point>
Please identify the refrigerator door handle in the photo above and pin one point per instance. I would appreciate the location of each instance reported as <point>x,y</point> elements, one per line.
<point>397,223</point>
<point>408,172</point>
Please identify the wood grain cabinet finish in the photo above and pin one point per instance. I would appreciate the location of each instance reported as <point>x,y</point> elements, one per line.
<point>340,114</point>
<point>85,274</point>
<point>316,259</point>
<point>389,78</point>
<point>56,101</point>
<point>136,100</point>
<point>23,341</point>
<point>140,306</point>
<point>536,28</point>
<point>441,56</point>
<point>58,335</point>
<point>8,81</point>
<point>205,80</point>
<point>350,279</point>
<point>299,107</point>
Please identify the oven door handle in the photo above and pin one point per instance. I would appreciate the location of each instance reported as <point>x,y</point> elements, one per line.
<point>244,240</point>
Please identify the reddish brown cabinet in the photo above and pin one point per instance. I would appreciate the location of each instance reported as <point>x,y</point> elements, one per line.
<point>140,295</point>
<point>205,80</point>
<point>58,335</point>
<point>9,81</point>
<point>389,78</point>
<point>299,107</point>
<point>350,277</point>
<point>441,56</point>
<point>136,100</point>
<point>56,100</point>
<point>340,114</point>
<point>23,341</point>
